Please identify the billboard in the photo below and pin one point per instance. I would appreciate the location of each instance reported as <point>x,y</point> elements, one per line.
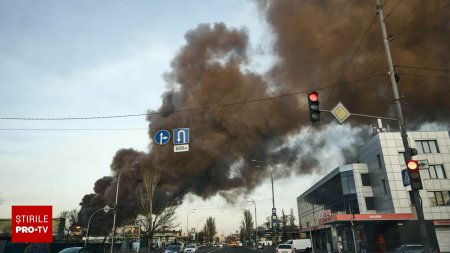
<point>131,232</point>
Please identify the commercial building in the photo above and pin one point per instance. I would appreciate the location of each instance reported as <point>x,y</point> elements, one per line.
<point>367,201</point>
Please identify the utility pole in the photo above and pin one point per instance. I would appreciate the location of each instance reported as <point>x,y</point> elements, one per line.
<point>417,201</point>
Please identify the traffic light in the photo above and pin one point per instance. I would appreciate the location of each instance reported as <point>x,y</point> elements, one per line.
<point>414,174</point>
<point>313,103</point>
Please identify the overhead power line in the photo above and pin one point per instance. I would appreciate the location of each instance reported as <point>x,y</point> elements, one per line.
<point>72,129</point>
<point>193,109</point>
<point>393,9</point>
<point>425,76</point>
<point>423,68</point>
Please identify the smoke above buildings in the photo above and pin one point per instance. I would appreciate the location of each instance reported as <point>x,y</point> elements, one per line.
<point>236,115</point>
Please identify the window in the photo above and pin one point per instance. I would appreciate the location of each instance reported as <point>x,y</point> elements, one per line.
<point>440,198</point>
<point>380,166</point>
<point>370,203</point>
<point>424,147</point>
<point>365,179</point>
<point>437,171</point>
<point>384,186</point>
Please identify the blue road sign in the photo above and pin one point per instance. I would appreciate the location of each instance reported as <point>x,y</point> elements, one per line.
<point>181,136</point>
<point>405,177</point>
<point>162,137</point>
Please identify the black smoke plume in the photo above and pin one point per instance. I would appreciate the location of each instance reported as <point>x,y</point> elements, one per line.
<point>231,122</point>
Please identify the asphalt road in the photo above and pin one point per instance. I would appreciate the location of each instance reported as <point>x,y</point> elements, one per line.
<point>267,249</point>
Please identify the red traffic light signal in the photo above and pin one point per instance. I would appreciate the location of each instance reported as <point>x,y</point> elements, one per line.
<point>412,164</point>
<point>414,174</point>
<point>313,103</point>
<point>313,96</point>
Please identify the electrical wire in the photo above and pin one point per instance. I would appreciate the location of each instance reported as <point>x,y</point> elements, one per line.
<point>393,9</point>
<point>423,68</point>
<point>425,76</point>
<point>196,108</point>
<point>406,27</point>
<point>72,129</point>
<point>354,53</point>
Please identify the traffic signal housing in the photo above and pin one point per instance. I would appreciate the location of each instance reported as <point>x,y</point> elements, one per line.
<point>313,103</point>
<point>414,174</point>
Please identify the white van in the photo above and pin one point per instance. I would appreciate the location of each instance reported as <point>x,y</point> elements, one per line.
<point>300,245</point>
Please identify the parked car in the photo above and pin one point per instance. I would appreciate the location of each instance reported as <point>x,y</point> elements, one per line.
<point>409,248</point>
<point>76,250</point>
<point>300,244</point>
<point>260,246</point>
<point>285,248</point>
<point>191,248</point>
<point>173,249</point>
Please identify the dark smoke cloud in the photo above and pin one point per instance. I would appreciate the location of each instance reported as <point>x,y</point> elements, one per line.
<point>314,40</point>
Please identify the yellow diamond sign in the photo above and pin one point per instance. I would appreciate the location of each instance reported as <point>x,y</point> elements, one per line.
<point>340,113</point>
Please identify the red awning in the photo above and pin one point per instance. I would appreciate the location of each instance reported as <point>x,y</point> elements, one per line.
<point>367,217</point>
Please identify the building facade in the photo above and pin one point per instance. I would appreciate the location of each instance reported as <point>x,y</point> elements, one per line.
<point>366,204</point>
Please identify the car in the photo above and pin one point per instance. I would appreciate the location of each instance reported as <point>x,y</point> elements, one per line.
<point>285,248</point>
<point>409,248</point>
<point>260,246</point>
<point>75,250</point>
<point>191,248</point>
<point>300,245</point>
<point>173,249</point>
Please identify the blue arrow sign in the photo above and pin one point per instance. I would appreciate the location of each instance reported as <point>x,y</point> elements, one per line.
<point>162,137</point>
<point>181,136</point>
<point>405,178</point>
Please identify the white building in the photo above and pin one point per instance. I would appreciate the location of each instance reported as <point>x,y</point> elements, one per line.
<point>371,195</point>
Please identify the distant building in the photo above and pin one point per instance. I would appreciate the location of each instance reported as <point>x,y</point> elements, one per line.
<point>167,237</point>
<point>369,196</point>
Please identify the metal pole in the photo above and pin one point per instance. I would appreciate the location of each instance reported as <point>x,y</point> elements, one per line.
<point>417,201</point>
<point>273,198</point>
<point>89,223</point>
<point>115,206</point>
<point>187,225</point>
<point>310,237</point>
<point>273,203</point>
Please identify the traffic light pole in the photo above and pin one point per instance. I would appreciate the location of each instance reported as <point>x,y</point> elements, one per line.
<point>417,200</point>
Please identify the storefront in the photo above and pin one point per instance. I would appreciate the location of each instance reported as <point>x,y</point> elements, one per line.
<point>375,232</point>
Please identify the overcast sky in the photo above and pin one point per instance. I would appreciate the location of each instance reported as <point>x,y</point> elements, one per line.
<point>101,58</point>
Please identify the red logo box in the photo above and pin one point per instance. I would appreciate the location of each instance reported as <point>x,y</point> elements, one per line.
<point>31,224</point>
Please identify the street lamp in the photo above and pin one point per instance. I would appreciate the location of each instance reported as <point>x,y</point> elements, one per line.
<point>271,178</point>
<point>105,209</point>
<point>187,224</point>
<point>115,203</point>
<point>256,223</point>
<point>273,198</point>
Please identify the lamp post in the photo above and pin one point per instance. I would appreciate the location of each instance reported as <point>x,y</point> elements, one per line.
<point>273,198</point>
<point>187,224</point>
<point>256,223</point>
<point>115,205</point>
<point>105,209</point>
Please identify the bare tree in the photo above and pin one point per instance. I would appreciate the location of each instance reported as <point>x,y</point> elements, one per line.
<point>154,216</point>
<point>70,219</point>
